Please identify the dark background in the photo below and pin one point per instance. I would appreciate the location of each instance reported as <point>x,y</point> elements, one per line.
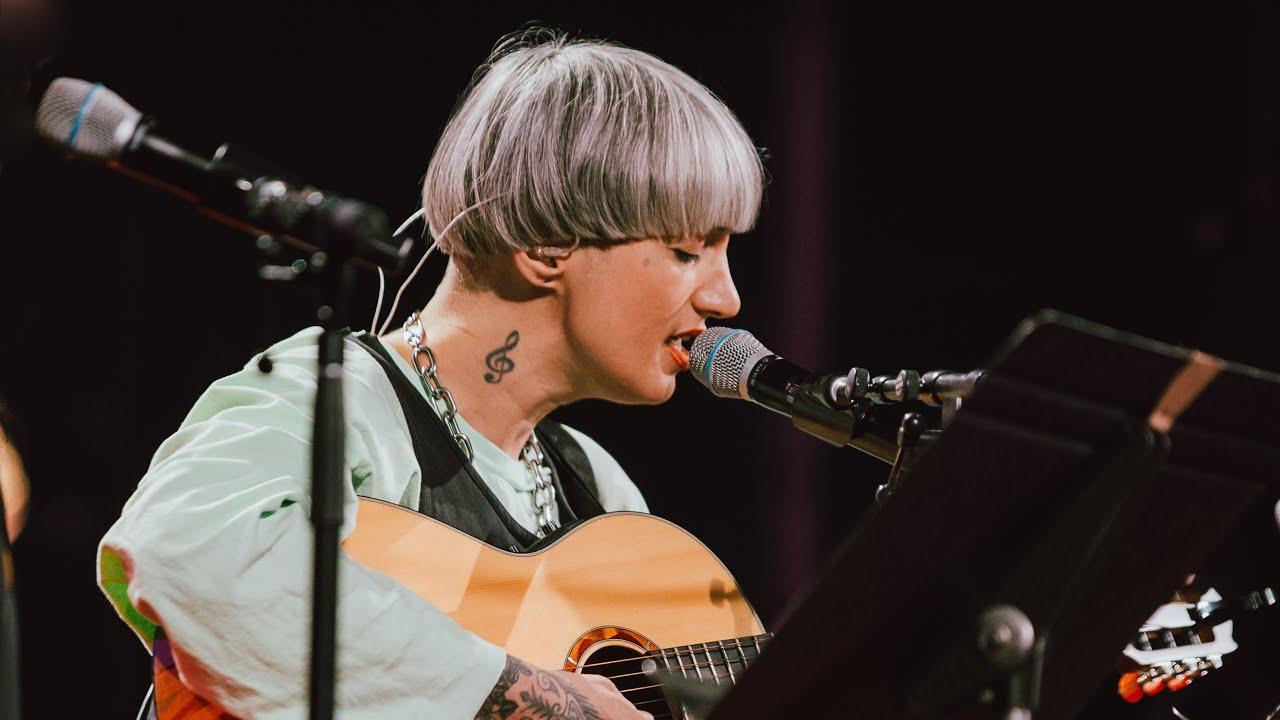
<point>937,172</point>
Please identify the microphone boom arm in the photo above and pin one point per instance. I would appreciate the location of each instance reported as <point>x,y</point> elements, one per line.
<point>857,398</point>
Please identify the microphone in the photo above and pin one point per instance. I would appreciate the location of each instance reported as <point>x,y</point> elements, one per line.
<point>732,363</point>
<point>91,122</point>
<point>839,408</point>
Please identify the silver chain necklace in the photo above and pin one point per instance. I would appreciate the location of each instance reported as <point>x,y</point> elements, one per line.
<point>424,361</point>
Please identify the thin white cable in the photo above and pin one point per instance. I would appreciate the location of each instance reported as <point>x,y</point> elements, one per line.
<point>409,221</point>
<point>377,309</point>
<point>146,700</point>
<point>382,278</point>
<point>435,244</point>
<point>396,303</point>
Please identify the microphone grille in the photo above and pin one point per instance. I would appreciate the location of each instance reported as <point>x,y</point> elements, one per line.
<point>721,357</point>
<point>86,118</point>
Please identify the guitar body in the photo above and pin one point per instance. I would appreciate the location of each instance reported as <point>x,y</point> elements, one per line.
<point>618,586</point>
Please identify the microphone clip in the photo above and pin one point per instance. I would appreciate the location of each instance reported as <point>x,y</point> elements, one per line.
<point>868,419</point>
<point>935,388</point>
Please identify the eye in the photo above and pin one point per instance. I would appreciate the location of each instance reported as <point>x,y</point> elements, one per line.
<point>685,257</point>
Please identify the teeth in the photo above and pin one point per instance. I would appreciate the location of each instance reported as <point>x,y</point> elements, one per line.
<point>678,353</point>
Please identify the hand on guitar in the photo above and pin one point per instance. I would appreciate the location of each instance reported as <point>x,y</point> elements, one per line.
<point>524,690</point>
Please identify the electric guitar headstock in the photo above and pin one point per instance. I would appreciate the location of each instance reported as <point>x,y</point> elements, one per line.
<point>1183,641</point>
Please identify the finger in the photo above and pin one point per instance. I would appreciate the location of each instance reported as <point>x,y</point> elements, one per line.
<point>628,710</point>
<point>600,681</point>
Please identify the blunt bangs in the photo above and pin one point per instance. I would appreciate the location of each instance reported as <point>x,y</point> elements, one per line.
<point>562,142</point>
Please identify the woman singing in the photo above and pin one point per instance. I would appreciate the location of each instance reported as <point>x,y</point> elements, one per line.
<point>585,194</point>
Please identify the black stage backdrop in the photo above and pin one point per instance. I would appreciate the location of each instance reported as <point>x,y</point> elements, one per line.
<point>937,173</point>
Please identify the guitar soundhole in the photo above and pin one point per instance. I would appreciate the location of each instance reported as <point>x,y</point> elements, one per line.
<point>621,664</point>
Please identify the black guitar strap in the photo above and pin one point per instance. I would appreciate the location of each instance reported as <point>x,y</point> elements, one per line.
<point>578,485</point>
<point>455,494</point>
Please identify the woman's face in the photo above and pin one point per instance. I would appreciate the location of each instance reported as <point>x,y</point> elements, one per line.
<point>632,309</point>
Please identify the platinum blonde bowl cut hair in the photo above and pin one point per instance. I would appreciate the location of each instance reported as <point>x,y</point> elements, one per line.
<point>560,142</point>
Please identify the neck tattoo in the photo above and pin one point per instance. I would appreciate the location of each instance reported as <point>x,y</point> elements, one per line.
<point>424,361</point>
<point>498,362</point>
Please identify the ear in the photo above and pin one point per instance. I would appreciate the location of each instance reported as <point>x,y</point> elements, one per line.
<point>540,268</point>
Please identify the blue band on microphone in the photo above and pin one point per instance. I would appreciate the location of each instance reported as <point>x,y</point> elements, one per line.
<point>84,109</point>
<point>706,367</point>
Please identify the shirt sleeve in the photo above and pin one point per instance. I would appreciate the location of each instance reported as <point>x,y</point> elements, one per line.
<point>614,487</point>
<point>215,547</point>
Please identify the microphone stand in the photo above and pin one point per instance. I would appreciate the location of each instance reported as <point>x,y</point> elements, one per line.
<point>339,234</point>
<point>348,233</point>
<point>328,451</point>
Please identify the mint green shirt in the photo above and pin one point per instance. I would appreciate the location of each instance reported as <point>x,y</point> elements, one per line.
<point>215,547</point>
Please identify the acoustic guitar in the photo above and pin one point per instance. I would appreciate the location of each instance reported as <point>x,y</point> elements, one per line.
<point>614,592</point>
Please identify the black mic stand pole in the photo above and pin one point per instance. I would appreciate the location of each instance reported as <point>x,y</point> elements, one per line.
<point>327,462</point>
<point>347,232</point>
<point>345,225</point>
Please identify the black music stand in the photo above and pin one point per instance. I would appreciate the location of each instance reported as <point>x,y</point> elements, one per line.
<point>1047,500</point>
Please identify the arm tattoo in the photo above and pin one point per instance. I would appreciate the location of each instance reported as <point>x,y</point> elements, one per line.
<point>551,699</point>
<point>543,696</point>
<point>498,362</point>
<point>497,706</point>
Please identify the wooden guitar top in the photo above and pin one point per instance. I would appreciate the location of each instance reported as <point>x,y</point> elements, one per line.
<point>622,579</point>
<point>626,570</point>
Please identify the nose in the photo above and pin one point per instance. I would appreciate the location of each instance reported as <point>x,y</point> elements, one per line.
<point>717,296</point>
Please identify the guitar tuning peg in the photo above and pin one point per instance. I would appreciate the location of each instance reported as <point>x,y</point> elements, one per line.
<point>1130,688</point>
<point>1156,684</point>
<point>1177,682</point>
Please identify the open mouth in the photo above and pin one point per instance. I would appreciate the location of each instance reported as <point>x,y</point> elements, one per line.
<point>678,347</point>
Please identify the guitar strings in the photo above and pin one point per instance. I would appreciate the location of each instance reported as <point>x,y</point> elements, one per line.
<point>676,657</point>
<point>662,700</point>
<point>738,644</point>
<point>666,654</point>
<point>697,665</point>
<point>649,702</point>
<point>638,689</point>
<point>663,716</point>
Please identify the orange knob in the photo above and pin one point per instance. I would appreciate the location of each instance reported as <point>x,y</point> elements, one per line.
<point>1155,685</point>
<point>1128,687</point>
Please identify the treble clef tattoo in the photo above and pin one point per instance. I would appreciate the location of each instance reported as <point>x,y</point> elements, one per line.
<point>498,362</point>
